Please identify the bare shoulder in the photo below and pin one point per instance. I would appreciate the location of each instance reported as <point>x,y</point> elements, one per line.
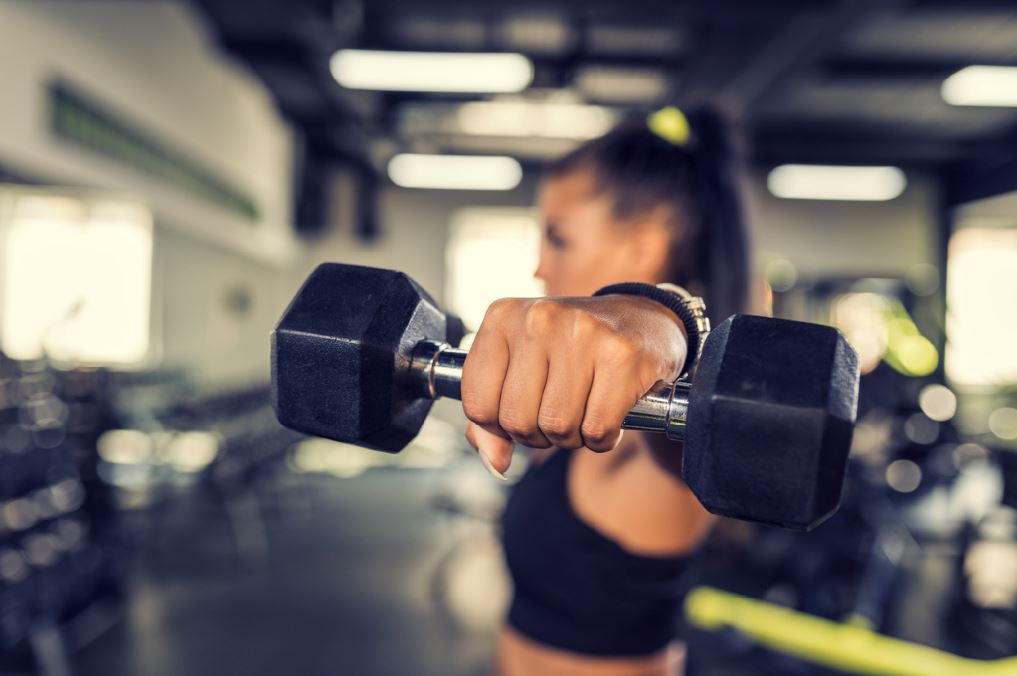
<point>626,495</point>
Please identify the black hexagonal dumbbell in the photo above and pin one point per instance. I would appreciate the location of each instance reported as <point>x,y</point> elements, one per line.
<point>360,355</point>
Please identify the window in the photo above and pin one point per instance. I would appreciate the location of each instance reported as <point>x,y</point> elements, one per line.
<point>491,254</point>
<point>981,321</point>
<point>77,278</point>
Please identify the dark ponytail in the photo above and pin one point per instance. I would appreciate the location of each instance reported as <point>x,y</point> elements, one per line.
<point>723,247</point>
<point>698,180</point>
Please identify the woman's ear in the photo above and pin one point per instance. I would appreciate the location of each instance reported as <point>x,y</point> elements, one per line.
<point>651,245</point>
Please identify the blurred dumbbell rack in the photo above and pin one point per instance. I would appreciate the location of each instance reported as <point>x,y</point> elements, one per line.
<point>182,447</point>
<point>61,555</point>
<point>82,452</point>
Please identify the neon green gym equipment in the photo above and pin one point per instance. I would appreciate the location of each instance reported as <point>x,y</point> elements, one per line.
<point>852,648</point>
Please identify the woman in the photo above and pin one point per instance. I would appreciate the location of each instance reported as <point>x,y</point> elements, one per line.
<point>596,541</point>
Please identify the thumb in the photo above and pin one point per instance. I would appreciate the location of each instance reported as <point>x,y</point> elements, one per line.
<point>495,451</point>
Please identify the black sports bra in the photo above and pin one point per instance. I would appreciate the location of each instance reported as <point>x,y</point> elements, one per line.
<point>575,588</point>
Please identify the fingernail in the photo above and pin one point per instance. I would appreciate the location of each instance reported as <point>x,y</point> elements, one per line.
<point>490,468</point>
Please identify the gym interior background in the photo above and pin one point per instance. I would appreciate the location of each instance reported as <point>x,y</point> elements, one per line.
<point>172,171</point>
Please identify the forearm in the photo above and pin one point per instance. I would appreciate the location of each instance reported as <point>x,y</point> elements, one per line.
<point>665,453</point>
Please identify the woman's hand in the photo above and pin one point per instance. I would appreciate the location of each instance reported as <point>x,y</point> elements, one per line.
<point>564,371</point>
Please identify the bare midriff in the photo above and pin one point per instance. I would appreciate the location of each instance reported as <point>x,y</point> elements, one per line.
<point>521,656</point>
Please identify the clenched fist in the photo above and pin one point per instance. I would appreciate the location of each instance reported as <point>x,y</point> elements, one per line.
<point>564,371</point>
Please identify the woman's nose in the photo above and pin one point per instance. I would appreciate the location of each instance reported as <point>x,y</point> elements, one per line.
<point>541,271</point>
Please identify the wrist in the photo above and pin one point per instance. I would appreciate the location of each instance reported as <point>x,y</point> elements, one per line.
<point>690,312</point>
<point>644,304</point>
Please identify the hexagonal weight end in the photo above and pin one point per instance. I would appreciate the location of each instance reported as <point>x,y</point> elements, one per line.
<point>339,349</point>
<point>770,420</point>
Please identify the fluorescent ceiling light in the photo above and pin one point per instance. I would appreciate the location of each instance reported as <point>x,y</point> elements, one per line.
<point>431,71</point>
<point>533,118</point>
<point>455,172</point>
<point>621,84</point>
<point>981,86</point>
<point>818,182</point>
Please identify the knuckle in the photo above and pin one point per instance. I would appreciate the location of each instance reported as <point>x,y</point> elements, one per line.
<point>499,308</point>
<point>478,411</point>
<point>555,426</point>
<point>540,317</point>
<point>597,431</point>
<point>493,316</point>
<point>586,325</point>
<point>516,425</point>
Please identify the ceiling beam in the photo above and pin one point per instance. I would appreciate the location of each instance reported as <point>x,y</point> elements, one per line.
<point>806,39</point>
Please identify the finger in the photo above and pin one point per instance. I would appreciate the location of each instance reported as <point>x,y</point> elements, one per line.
<point>483,378</point>
<point>495,451</point>
<point>606,408</point>
<point>564,400</point>
<point>521,393</point>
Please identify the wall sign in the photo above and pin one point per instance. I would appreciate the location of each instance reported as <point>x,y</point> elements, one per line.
<point>80,120</point>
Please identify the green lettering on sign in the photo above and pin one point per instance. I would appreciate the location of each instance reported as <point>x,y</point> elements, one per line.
<point>77,119</point>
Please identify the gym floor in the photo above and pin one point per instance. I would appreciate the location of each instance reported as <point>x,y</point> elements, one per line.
<point>344,587</point>
<point>333,576</point>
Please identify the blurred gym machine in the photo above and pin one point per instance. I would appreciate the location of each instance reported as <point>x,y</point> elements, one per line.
<point>914,575</point>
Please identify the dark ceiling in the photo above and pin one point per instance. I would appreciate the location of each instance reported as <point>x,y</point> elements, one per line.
<point>811,80</point>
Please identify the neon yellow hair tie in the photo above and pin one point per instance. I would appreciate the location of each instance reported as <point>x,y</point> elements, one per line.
<point>670,124</point>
